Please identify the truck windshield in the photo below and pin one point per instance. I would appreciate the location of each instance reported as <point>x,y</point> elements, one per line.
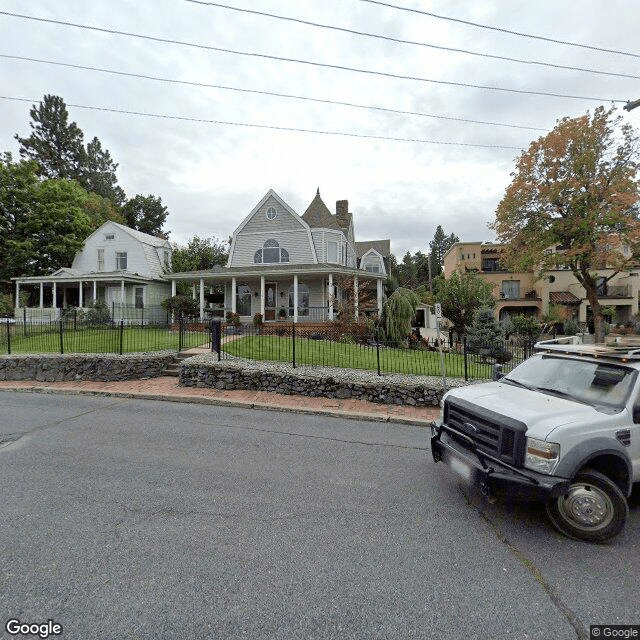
<point>582,380</point>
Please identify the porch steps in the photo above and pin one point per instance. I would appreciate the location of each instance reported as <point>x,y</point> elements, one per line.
<point>173,369</point>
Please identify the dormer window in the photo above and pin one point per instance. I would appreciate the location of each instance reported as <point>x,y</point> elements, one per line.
<point>270,253</point>
<point>271,213</point>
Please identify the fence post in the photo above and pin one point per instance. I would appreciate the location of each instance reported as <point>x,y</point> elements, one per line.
<point>464,352</point>
<point>8,337</point>
<point>180,326</point>
<point>61,337</point>
<point>216,338</point>
<point>75,319</point>
<point>121,334</point>
<point>377,334</point>
<point>293,342</point>
<point>24,321</point>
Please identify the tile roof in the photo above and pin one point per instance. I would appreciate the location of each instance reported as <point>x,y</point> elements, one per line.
<point>563,297</point>
<point>383,247</point>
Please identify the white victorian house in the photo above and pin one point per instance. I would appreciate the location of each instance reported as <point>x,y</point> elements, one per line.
<point>120,266</point>
<point>304,267</point>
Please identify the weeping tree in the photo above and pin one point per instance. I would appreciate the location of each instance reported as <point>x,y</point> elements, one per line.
<point>398,314</point>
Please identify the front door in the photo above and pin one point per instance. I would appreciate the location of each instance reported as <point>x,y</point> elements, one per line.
<point>270,300</point>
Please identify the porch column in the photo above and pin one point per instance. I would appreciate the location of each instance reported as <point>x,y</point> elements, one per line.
<point>55,295</point>
<point>233,295</point>
<point>355,298</point>
<point>122,292</point>
<point>193,290</point>
<point>202,297</point>
<point>41,295</point>
<point>262,303</point>
<point>295,297</point>
<point>173,288</point>
<point>80,292</point>
<point>331,296</point>
<point>379,286</point>
<point>17,294</point>
<point>95,291</point>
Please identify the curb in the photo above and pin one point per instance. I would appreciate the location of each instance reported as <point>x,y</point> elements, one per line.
<point>226,402</point>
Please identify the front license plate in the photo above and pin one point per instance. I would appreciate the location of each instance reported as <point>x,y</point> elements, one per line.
<point>461,468</point>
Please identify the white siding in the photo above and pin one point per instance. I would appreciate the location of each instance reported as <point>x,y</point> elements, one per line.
<point>141,258</point>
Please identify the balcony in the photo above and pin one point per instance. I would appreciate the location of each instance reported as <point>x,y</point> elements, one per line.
<point>615,291</point>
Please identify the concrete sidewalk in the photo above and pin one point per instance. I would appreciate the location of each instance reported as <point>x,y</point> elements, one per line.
<point>167,388</point>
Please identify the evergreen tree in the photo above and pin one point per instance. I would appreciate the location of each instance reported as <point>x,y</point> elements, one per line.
<point>55,143</point>
<point>98,173</point>
<point>440,244</point>
<point>483,334</point>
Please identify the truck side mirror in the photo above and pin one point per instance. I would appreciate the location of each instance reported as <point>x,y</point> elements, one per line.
<point>636,413</point>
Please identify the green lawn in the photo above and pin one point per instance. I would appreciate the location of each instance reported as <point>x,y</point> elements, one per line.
<point>353,356</point>
<point>98,340</point>
<point>271,348</point>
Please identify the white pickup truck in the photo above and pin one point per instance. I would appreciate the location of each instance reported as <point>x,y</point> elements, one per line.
<point>562,427</point>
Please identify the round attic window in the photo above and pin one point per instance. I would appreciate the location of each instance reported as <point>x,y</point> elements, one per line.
<point>271,213</point>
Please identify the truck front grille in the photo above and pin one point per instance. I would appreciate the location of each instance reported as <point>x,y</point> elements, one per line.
<point>491,432</point>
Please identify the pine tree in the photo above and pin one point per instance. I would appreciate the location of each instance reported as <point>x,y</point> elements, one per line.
<point>440,244</point>
<point>55,143</point>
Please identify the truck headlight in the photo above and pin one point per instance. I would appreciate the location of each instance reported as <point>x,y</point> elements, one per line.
<point>541,456</point>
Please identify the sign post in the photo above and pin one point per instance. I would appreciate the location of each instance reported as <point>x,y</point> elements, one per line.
<point>438,312</point>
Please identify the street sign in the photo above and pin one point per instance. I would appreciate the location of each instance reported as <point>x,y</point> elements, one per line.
<point>438,310</point>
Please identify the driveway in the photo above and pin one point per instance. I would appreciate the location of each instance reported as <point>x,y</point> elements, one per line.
<point>139,519</point>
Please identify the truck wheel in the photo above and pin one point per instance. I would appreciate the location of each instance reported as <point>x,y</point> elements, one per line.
<point>594,508</point>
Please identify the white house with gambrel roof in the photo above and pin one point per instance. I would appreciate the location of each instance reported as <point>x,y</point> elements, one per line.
<point>303,266</point>
<point>117,265</point>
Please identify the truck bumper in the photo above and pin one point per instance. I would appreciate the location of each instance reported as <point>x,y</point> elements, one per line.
<point>494,476</point>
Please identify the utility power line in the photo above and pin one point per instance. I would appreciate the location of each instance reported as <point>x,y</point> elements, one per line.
<point>502,30</point>
<point>371,72</point>
<point>254,125</point>
<point>367,34</point>
<point>267,93</point>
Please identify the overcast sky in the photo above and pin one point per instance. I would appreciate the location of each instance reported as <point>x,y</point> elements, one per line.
<point>210,176</point>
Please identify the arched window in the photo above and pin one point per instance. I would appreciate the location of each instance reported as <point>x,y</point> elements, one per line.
<point>243,300</point>
<point>270,253</point>
<point>303,300</point>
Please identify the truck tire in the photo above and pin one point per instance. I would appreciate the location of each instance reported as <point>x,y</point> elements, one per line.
<point>594,509</point>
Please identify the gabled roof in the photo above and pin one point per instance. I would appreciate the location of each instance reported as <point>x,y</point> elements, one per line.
<point>318,216</point>
<point>383,247</point>
<point>66,271</point>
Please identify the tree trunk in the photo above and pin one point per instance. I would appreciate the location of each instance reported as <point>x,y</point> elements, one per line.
<point>598,318</point>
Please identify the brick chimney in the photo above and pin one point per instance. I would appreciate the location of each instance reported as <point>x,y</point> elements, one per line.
<point>342,213</point>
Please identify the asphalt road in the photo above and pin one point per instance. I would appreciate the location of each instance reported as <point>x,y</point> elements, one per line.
<point>139,519</point>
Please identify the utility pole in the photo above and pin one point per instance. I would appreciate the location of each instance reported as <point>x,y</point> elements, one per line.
<point>632,105</point>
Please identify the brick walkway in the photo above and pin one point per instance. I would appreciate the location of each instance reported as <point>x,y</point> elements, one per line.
<point>166,388</point>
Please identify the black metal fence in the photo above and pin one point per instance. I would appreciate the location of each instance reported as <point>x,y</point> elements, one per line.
<point>353,347</point>
<point>300,344</point>
<point>80,331</point>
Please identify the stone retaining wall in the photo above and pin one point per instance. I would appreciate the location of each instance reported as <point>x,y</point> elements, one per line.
<point>99,367</point>
<point>226,375</point>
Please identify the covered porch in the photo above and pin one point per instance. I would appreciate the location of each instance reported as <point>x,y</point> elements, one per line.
<point>45,298</point>
<point>307,293</point>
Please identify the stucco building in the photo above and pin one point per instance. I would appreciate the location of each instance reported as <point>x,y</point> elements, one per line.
<point>523,292</point>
